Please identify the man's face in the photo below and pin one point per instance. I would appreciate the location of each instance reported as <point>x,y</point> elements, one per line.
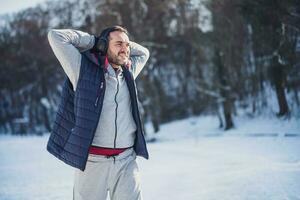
<point>118,48</point>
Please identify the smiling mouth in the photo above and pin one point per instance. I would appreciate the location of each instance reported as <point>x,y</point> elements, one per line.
<point>123,55</point>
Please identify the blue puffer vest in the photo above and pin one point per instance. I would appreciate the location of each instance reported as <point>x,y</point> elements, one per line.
<point>79,112</point>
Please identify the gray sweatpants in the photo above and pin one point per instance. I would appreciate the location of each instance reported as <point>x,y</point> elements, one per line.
<point>102,175</point>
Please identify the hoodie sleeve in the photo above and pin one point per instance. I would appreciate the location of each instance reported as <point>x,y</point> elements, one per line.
<point>138,56</point>
<point>67,45</point>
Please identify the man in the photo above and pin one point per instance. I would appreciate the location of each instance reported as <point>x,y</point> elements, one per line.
<point>98,128</point>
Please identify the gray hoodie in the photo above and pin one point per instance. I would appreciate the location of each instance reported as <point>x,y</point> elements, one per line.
<point>116,127</point>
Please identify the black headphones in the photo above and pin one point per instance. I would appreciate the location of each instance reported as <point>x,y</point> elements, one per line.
<point>102,43</point>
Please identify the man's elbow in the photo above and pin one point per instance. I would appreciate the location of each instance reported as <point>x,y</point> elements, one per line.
<point>51,35</point>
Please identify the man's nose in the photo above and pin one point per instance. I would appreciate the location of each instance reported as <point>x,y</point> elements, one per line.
<point>125,47</point>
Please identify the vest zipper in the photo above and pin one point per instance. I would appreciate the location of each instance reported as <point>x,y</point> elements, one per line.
<point>98,94</point>
<point>98,115</point>
<point>116,132</point>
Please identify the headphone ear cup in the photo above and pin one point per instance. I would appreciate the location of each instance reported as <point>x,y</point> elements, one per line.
<point>102,45</point>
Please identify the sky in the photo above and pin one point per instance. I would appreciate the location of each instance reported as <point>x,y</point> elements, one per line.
<point>16,5</point>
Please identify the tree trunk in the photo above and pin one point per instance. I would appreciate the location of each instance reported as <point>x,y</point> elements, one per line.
<point>227,114</point>
<point>283,106</point>
<point>278,78</point>
<point>225,93</point>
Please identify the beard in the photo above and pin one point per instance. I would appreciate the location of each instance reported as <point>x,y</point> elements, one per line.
<point>117,59</point>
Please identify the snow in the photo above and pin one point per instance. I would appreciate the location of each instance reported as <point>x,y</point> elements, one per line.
<point>195,127</point>
<point>45,102</point>
<point>192,159</point>
<point>21,120</point>
<point>205,15</point>
<point>223,168</point>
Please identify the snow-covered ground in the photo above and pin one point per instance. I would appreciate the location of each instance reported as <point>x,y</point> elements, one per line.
<point>192,159</point>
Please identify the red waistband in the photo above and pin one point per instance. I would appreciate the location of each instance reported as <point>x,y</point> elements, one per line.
<point>105,151</point>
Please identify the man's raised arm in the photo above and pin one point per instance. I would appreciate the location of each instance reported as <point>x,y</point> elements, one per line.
<point>67,45</point>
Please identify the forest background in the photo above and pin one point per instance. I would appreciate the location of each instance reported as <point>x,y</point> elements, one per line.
<point>212,57</point>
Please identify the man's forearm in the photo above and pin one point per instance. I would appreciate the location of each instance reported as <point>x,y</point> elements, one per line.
<point>138,56</point>
<point>79,39</point>
<point>138,50</point>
